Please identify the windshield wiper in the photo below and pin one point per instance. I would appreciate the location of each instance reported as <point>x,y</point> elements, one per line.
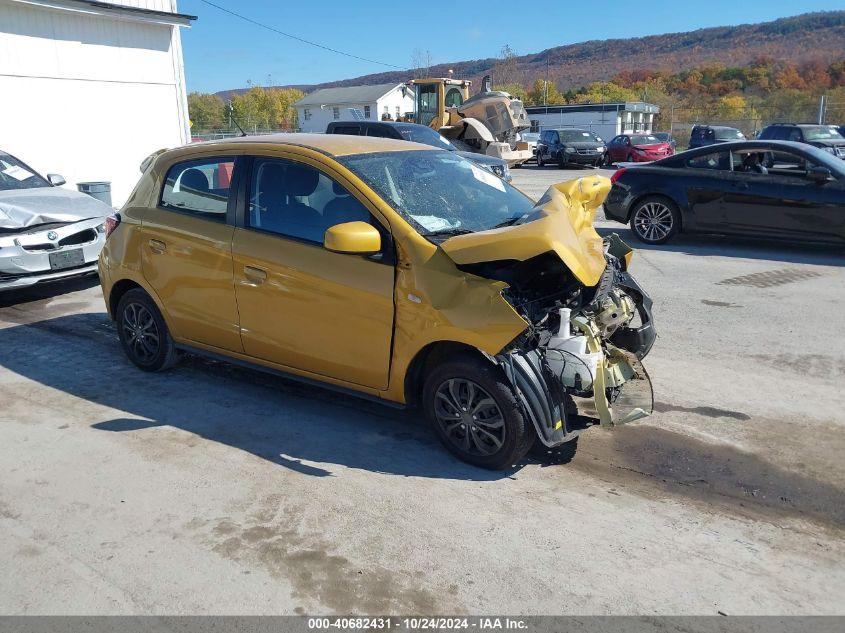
<point>509,221</point>
<point>448,232</point>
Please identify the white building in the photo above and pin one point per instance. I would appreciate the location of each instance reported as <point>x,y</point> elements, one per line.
<point>89,89</point>
<point>604,119</point>
<point>319,108</point>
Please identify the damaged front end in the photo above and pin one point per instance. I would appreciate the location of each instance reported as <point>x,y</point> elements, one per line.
<point>589,321</point>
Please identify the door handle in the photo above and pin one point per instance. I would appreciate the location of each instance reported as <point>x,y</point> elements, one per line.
<point>255,275</point>
<point>157,246</point>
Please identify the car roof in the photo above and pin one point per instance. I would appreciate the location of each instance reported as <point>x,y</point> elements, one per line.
<point>737,145</point>
<point>330,144</point>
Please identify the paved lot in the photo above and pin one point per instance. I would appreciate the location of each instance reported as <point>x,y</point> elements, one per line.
<point>211,489</point>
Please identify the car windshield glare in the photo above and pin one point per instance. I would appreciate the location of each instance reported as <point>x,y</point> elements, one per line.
<point>16,175</point>
<point>578,135</point>
<point>439,192</point>
<point>822,133</point>
<point>426,136</point>
<point>644,139</point>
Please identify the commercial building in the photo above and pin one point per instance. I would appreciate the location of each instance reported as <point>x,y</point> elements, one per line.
<point>89,89</point>
<point>319,108</point>
<point>604,119</point>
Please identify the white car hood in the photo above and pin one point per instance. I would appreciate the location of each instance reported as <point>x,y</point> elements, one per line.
<point>22,208</point>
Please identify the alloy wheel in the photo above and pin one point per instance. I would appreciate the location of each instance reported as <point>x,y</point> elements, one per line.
<point>469,417</point>
<point>141,333</point>
<point>653,221</point>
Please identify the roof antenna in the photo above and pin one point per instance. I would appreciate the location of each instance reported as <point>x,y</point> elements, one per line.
<point>233,119</point>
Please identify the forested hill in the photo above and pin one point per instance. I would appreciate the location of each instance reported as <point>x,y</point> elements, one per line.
<point>794,39</point>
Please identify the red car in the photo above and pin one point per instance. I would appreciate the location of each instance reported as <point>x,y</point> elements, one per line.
<point>637,148</point>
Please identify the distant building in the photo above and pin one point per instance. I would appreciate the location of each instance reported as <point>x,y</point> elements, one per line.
<point>89,89</point>
<point>604,119</point>
<point>319,108</point>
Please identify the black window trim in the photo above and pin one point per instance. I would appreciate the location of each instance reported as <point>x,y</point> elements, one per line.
<point>387,255</point>
<point>230,216</point>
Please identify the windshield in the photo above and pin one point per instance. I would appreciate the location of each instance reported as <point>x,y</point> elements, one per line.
<point>578,135</point>
<point>644,139</point>
<point>426,136</point>
<point>726,134</point>
<point>822,133</point>
<point>16,175</point>
<point>440,192</point>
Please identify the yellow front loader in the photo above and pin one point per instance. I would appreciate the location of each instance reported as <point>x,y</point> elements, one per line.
<point>488,122</point>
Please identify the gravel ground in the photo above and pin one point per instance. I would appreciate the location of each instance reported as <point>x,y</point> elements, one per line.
<point>212,489</point>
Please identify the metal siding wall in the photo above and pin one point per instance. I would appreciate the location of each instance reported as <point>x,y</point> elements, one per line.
<point>91,97</point>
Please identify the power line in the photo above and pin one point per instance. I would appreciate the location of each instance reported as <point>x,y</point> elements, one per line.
<point>294,37</point>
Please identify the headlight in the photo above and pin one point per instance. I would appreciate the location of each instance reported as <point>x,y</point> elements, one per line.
<point>570,150</point>
<point>602,148</point>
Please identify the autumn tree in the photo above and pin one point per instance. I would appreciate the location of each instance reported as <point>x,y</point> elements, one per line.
<point>544,93</point>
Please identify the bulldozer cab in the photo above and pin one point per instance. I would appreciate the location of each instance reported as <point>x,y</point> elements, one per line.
<point>435,96</point>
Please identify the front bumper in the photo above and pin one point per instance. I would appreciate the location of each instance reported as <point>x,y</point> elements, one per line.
<point>583,159</point>
<point>25,256</point>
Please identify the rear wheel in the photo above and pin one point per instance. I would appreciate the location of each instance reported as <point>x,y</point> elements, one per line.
<point>143,332</point>
<point>654,220</point>
<point>474,413</point>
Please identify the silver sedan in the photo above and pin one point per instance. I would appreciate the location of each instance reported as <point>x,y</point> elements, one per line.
<point>46,232</point>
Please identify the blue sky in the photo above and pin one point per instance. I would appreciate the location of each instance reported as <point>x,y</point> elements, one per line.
<point>224,52</point>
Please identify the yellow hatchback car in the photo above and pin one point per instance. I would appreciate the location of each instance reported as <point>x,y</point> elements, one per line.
<point>389,269</point>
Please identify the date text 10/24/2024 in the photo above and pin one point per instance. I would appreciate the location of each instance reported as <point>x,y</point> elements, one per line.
<point>418,623</point>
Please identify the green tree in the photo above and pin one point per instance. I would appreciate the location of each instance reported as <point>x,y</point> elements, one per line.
<point>606,92</point>
<point>206,111</point>
<point>544,93</point>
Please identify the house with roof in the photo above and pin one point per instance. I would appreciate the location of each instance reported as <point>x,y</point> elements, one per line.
<point>319,108</point>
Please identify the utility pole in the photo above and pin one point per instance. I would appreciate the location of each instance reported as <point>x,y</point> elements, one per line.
<point>821,110</point>
<point>546,84</point>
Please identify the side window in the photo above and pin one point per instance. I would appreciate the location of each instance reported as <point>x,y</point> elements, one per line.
<point>555,137</point>
<point>795,135</point>
<point>380,131</point>
<point>199,187</point>
<point>625,140</point>
<point>299,201</point>
<point>454,98</point>
<point>346,129</point>
<point>717,160</point>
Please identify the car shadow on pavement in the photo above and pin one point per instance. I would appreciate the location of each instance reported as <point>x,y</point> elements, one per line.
<point>45,291</point>
<point>745,248</point>
<point>303,428</point>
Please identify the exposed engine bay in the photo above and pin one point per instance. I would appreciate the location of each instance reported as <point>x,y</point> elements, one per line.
<point>582,350</point>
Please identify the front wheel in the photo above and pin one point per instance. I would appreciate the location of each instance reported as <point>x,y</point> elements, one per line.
<point>540,162</point>
<point>474,413</point>
<point>655,219</point>
<point>561,161</point>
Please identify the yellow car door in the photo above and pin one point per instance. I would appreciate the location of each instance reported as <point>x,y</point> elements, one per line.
<point>187,252</point>
<point>300,305</point>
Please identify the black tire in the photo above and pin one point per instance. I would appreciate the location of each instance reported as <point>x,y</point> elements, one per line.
<point>655,220</point>
<point>540,162</point>
<point>144,336</point>
<point>561,160</point>
<point>468,436</point>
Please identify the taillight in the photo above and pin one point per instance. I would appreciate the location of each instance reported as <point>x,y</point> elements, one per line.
<point>111,224</point>
<point>616,174</point>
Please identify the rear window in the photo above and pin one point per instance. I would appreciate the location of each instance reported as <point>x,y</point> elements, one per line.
<point>199,187</point>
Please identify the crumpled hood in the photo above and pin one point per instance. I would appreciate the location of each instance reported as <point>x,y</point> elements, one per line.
<point>561,221</point>
<point>20,208</point>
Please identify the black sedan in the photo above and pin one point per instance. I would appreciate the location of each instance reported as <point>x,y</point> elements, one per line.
<point>768,189</point>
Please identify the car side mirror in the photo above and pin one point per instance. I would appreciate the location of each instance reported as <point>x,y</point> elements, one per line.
<point>818,173</point>
<point>56,180</point>
<point>353,238</point>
